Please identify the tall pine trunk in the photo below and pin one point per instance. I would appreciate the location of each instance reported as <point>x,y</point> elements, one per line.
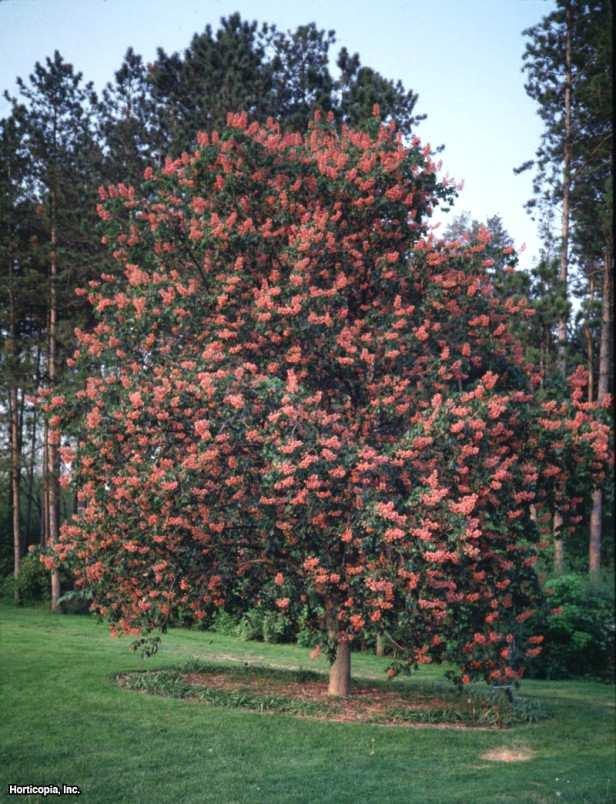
<point>15,447</point>
<point>596,516</point>
<point>15,483</point>
<point>32,458</point>
<point>564,249</point>
<point>45,490</point>
<point>15,420</point>
<point>14,431</point>
<point>52,447</point>
<point>566,213</point>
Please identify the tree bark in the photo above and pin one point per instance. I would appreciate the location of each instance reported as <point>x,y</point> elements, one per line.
<point>559,553</point>
<point>52,447</point>
<point>15,485</point>
<point>588,339</point>
<point>567,158</point>
<point>564,247</point>
<point>596,515</point>
<point>14,432</point>
<point>380,645</point>
<point>45,489</point>
<point>589,361</point>
<point>32,459</point>
<point>340,670</point>
<point>594,544</point>
<point>606,326</point>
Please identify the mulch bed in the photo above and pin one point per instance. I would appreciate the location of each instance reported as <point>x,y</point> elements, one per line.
<point>365,704</point>
<point>304,694</point>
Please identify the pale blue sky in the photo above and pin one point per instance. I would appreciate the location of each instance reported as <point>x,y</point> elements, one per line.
<point>463,58</point>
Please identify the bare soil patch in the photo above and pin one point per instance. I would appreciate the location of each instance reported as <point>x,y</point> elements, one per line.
<point>507,754</point>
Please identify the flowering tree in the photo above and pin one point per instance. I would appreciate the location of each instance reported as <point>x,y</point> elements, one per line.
<point>294,393</point>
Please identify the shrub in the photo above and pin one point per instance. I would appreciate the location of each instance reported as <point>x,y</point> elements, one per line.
<point>305,635</point>
<point>33,583</point>
<point>7,588</point>
<point>307,638</point>
<point>264,626</point>
<point>225,623</point>
<point>258,623</point>
<point>579,631</point>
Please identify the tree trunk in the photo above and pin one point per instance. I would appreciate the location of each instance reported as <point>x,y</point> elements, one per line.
<point>606,327</point>
<point>589,361</point>
<point>380,645</point>
<point>559,553</point>
<point>15,485</point>
<point>596,516</point>
<point>594,543</point>
<point>14,432</point>
<point>32,459</point>
<point>567,157</point>
<point>340,670</point>
<point>588,339</point>
<point>52,447</point>
<point>45,489</point>
<point>564,250</point>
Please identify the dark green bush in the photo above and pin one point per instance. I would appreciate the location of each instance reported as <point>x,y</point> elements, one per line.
<point>258,623</point>
<point>307,638</point>
<point>7,588</point>
<point>225,623</point>
<point>265,625</point>
<point>579,631</point>
<point>33,581</point>
<point>34,585</point>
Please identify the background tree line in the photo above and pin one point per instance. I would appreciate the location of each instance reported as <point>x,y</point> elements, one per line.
<point>61,141</point>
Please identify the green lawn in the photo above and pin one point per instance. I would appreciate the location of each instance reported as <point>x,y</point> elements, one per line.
<point>64,720</point>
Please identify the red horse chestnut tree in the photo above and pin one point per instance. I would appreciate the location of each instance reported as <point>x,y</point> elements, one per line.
<point>295,394</point>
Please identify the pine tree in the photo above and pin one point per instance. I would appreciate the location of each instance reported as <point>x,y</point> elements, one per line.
<point>247,67</point>
<point>567,62</point>
<point>592,211</point>
<point>218,73</point>
<point>53,115</point>
<point>11,169</point>
<point>300,78</point>
<point>21,311</point>
<point>127,122</point>
<point>362,87</point>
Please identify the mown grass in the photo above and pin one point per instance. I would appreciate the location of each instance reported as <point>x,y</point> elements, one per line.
<point>65,720</point>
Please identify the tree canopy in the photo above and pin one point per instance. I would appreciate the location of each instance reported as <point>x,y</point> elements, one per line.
<point>295,393</point>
